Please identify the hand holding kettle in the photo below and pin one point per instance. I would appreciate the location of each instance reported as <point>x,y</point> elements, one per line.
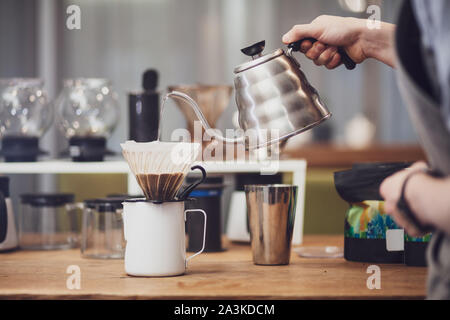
<point>338,36</point>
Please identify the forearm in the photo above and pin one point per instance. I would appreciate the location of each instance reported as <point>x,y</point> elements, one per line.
<point>379,44</point>
<point>429,199</point>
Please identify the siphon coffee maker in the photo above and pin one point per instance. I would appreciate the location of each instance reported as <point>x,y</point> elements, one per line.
<point>88,112</point>
<point>25,115</point>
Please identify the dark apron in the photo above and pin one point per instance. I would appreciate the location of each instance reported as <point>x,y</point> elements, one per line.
<point>416,79</point>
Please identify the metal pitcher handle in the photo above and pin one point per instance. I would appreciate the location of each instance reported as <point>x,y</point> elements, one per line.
<point>204,232</point>
<point>3,218</point>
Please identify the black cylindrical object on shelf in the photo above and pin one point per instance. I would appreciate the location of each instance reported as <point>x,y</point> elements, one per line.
<point>86,149</point>
<point>20,149</point>
<point>208,198</point>
<point>144,110</point>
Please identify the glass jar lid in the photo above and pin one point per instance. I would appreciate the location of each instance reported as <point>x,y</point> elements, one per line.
<point>47,199</point>
<point>104,204</point>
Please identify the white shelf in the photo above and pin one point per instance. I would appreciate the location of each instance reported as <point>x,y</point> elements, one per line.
<point>295,167</point>
<point>63,166</point>
<point>67,166</point>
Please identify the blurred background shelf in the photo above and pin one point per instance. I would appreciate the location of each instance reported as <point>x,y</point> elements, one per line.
<point>63,166</point>
<point>331,155</point>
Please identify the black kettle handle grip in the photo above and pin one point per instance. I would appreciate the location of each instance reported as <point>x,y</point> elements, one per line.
<point>185,193</point>
<point>3,218</point>
<point>346,60</point>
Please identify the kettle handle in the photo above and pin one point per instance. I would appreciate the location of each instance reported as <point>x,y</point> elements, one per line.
<point>3,218</point>
<point>346,60</point>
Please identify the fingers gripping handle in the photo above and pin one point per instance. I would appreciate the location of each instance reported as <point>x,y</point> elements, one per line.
<point>204,232</point>
<point>346,60</point>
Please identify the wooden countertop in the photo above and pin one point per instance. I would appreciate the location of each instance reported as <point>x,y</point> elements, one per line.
<point>227,275</point>
<point>328,155</point>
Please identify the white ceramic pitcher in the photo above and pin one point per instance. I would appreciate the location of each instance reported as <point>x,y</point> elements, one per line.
<point>155,237</point>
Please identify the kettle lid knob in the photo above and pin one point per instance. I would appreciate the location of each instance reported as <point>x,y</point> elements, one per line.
<point>254,50</point>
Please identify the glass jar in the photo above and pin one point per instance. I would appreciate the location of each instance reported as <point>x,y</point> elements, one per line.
<point>88,112</point>
<point>48,222</point>
<point>87,107</point>
<point>102,229</point>
<point>25,115</point>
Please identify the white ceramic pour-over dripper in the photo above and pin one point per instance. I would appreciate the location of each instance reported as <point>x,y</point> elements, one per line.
<point>160,158</point>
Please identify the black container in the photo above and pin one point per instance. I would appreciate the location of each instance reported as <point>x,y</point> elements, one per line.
<point>371,251</point>
<point>86,149</point>
<point>47,199</point>
<point>415,253</point>
<point>4,193</point>
<point>20,149</point>
<point>144,110</point>
<point>367,243</point>
<point>104,204</point>
<point>208,197</point>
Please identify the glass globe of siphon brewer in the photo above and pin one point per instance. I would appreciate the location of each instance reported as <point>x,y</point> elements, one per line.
<point>88,112</point>
<point>25,115</point>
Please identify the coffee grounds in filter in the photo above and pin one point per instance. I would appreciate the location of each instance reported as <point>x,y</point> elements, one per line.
<point>160,186</point>
<point>160,167</point>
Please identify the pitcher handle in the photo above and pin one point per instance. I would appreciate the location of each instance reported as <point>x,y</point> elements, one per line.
<point>3,218</point>
<point>204,232</point>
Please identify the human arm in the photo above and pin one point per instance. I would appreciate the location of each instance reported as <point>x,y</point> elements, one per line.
<point>428,197</point>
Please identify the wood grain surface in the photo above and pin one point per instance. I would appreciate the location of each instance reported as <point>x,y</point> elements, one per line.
<point>227,275</point>
<point>328,155</point>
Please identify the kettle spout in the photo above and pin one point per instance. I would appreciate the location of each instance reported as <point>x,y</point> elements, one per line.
<point>191,102</point>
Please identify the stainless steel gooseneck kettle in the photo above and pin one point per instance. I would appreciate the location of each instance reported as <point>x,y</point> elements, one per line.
<point>274,99</point>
